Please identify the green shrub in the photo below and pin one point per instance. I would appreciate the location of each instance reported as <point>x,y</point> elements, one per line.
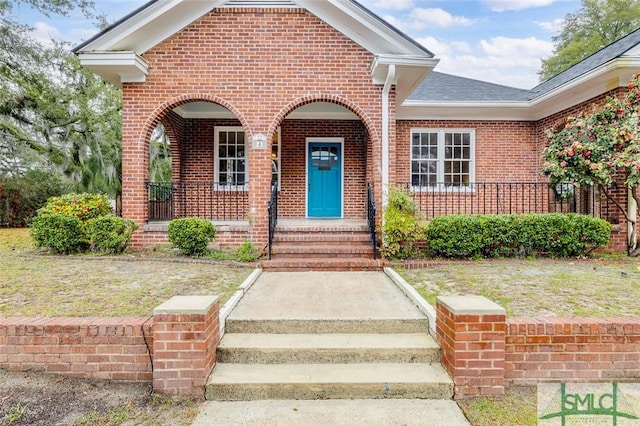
<point>246,252</point>
<point>72,232</point>
<point>401,228</point>
<point>60,233</point>
<point>561,235</point>
<point>191,235</point>
<point>22,196</point>
<point>83,206</point>
<point>554,234</point>
<point>110,234</point>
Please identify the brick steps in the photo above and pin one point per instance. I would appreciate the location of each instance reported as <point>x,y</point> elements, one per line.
<point>325,263</point>
<point>322,246</point>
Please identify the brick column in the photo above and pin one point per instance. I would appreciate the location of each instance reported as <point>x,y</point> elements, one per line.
<point>186,331</point>
<point>471,331</point>
<point>259,192</point>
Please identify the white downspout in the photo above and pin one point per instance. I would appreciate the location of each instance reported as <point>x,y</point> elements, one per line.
<point>391,75</point>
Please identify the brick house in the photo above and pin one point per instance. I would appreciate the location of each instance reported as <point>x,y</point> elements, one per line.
<point>333,105</point>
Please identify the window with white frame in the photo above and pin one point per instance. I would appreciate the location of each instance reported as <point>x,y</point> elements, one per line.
<point>442,157</point>
<point>231,160</point>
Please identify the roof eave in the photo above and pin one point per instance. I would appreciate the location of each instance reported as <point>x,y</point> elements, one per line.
<point>494,111</point>
<point>411,70</point>
<point>605,78</point>
<point>116,67</point>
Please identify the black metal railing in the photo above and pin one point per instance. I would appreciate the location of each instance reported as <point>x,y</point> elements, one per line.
<point>207,200</point>
<point>272,209</point>
<point>505,198</point>
<point>371,218</point>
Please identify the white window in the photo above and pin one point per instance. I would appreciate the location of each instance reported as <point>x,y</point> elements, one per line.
<point>231,163</point>
<point>442,157</point>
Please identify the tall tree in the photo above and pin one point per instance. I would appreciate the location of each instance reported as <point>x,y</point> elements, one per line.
<point>54,114</point>
<point>48,7</point>
<point>595,25</point>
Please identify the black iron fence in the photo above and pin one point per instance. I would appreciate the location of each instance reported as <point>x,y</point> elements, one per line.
<point>506,198</point>
<point>207,200</point>
<point>272,209</point>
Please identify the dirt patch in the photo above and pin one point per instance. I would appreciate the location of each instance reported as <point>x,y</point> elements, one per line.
<point>37,399</point>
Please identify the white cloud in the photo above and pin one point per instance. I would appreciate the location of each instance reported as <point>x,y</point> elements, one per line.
<point>394,4</point>
<point>516,47</point>
<point>502,60</point>
<point>551,26</point>
<point>503,5</point>
<point>438,17</point>
<point>44,33</point>
<point>420,19</point>
<point>438,48</point>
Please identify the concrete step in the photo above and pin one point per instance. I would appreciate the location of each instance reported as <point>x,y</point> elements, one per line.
<point>247,382</point>
<point>327,326</point>
<point>334,412</point>
<point>327,348</point>
<point>324,263</point>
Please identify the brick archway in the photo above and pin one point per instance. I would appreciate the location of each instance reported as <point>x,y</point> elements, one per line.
<point>338,100</point>
<point>162,110</point>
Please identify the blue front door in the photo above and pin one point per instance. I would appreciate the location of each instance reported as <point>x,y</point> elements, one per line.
<point>324,179</point>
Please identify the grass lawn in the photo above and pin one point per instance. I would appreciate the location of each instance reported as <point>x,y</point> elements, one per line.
<point>33,284</point>
<point>538,287</point>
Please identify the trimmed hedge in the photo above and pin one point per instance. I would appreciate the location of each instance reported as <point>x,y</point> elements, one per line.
<point>552,234</point>
<point>191,235</point>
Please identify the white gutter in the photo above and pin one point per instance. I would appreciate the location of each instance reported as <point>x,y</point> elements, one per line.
<point>391,75</point>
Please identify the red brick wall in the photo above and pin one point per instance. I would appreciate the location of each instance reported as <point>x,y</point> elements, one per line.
<point>293,171</point>
<point>485,352</point>
<point>572,349</point>
<point>243,60</point>
<point>96,348</point>
<point>506,151</point>
<point>473,351</point>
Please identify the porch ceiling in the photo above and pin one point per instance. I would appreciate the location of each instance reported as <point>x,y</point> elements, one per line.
<point>312,111</point>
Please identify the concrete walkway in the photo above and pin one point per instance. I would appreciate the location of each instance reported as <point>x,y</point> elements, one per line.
<point>326,297</point>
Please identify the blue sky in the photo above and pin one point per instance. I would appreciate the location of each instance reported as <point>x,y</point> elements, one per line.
<point>500,41</point>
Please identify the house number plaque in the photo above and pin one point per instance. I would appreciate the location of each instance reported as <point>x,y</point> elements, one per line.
<point>259,141</point>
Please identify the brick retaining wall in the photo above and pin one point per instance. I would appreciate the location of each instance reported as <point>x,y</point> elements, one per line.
<point>94,348</point>
<point>175,348</point>
<point>485,351</point>
<point>572,349</point>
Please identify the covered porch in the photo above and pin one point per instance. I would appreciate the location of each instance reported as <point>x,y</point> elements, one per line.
<point>320,168</point>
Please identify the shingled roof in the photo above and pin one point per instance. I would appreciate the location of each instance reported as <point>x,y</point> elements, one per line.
<point>446,87</point>
<point>439,87</point>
